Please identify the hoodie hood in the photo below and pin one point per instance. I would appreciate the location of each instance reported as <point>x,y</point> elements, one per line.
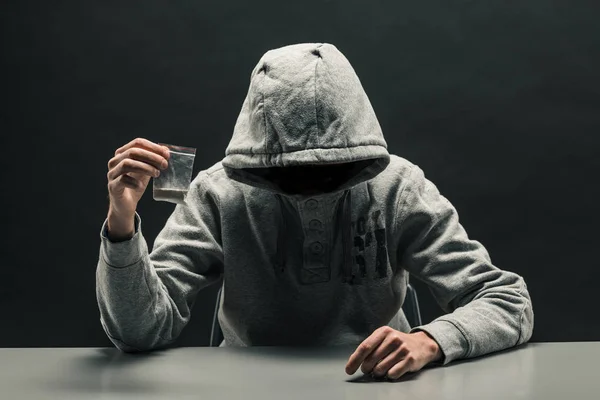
<point>305,106</point>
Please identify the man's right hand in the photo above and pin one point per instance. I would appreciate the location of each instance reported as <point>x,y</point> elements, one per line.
<point>129,173</point>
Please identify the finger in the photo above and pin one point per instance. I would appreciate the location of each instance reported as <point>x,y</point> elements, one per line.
<point>366,348</point>
<point>124,181</point>
<point>390,361</point>
<point>401,368</point>
<point>137,153</point>
<point>390,344</point>
<point>143,178</point>
<point>129,165</point>
<point>145,144</point>
<point>130,182</point>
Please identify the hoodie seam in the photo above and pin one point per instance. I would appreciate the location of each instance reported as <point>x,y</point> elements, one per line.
<point>124,344</point>
<point>401,196</point>
<point>154,301</point>
<point>214,171</point>
<point>296,151</point>
<point>316,113</point>
<point>264,105</point>
<point>115,267</point>
<point>522,313</point>
<point>203,186</point>
<point>462,332</point>
<point>116,339</point>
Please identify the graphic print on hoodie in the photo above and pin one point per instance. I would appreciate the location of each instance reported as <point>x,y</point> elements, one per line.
<point>323,268</point>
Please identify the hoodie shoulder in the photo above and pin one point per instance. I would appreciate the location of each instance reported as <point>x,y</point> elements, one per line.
<point>215,181</point>
<point>217,168</point>
<point>212,177</point>
<point>391,182</point>
<point>397,171</point>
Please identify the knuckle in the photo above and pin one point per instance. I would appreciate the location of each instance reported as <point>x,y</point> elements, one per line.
<point>366,347</point>
<point>128,181</point>
<point>397,341</point>
<point>433,347</point>
<point>158,160</point>
<point>368,363</point>
<point>134,151</point>
<point>128,163</point>
<point>112,162</point>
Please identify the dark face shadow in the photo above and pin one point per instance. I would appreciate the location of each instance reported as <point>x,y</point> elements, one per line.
<point>311,179</point>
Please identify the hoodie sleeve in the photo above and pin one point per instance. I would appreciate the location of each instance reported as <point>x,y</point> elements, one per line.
<point>487,309</point>
<point>145,298</point>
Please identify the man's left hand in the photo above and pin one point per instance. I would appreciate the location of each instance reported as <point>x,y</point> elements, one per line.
<point>391,353</point>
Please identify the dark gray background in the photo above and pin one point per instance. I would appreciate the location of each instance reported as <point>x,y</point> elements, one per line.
<point>498,101</point>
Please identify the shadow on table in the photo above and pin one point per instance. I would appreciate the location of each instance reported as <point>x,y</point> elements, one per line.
<point>337,353</point>
<point>297,352</point>
<point>104,357</point>
<point>109,370</point>
<point>488,356</point>
<point>368,378</point>
<point>105,370</point>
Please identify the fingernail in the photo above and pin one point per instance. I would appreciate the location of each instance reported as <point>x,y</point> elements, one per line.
<point>164,165</point>
<point>156,174</point>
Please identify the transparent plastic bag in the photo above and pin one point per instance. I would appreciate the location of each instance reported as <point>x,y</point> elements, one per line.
<point>173,183</point>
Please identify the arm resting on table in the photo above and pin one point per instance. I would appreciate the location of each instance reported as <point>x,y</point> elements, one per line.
<point>145,298</point>
<point>488,309</point>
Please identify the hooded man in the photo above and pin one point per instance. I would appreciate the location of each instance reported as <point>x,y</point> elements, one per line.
<point>313,228</point>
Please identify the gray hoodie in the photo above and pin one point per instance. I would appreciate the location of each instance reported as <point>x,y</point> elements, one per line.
<point>324,269</point>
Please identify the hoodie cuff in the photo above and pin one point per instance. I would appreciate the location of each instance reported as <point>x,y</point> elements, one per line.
<point>449,337</point>
<point>124,253</point>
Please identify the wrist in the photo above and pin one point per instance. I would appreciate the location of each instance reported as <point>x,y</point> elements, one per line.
<point>120,226</point>
<point>433,348</point>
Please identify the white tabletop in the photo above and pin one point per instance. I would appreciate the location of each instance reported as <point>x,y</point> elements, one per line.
<point>534,371</point>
